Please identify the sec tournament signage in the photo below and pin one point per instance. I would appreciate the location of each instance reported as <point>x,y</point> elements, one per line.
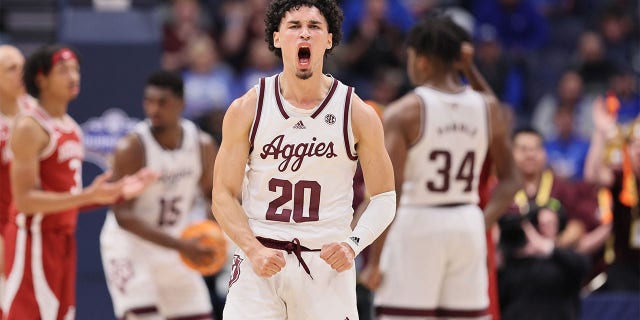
<point>102,133</point>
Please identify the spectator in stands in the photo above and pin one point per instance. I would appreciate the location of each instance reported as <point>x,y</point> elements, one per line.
<point>208,84</point>
<point>567,151</point>
<point>538,280</point>
<point>624,84</point>
<point>396,12</point>
<point>570,95</point>
<point>548,64</point>
<point>388,84</point>
<point>623,273</point>
<point>505,77</point>
<point>186,21</point>
<point>541,184</point>
<point>375,42</point>
<point>617,29</point>
<point>520,27</point>
<point>592,63</point>
<point>243,21</point>
<point>260,62</point>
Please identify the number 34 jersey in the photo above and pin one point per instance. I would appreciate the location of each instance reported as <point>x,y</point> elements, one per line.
<point>444,163</point>
<point>300,169</point>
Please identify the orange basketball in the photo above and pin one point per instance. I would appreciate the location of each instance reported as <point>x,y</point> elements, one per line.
<point>211,236</point>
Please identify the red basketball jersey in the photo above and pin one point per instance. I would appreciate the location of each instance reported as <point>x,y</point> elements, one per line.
<point>60,165</point>
<point>24,103</point>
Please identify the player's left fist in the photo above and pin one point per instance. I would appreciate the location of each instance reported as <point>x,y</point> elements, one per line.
<point>338,255</point>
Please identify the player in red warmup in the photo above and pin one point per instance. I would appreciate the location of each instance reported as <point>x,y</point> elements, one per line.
<point>12,101</point>
<point>45,177</point>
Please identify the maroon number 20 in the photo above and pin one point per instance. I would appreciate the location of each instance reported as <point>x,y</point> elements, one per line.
<point>297,193</point>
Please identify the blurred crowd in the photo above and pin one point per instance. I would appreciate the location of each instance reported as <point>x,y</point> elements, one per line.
<point>545,59</point>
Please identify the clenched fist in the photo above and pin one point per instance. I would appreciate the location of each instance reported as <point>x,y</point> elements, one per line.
<point>338,255</point>
<point>266,262</point>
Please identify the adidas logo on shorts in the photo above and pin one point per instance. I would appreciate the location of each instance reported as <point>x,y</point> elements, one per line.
<point>355,240</point>
<point>299,125</point>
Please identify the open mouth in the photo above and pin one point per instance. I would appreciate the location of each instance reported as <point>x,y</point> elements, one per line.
<point>304,55</point>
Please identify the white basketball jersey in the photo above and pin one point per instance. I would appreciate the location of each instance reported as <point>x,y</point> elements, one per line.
<point>300,170</point>
<point>443,166</point>
<point>167,203</point>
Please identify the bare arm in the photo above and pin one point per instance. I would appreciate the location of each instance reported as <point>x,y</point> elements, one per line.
<point>571,235</point>
<point>470,71</point>
<point>28,139</point>
<point>209,151</point>
<point>378,177</point>
<point>228,174</point>
<point>592,241</point>
<point>400,130</point>
<point>595,170</point>
<point>374,159</point>
<point>128,158</point>
<point>509,180</point>
<point>397,138</point>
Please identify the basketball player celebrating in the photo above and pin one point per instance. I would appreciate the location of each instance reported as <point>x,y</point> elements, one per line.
<point>295,134</point>
<point>140,239</point>
<point>47,153</point>
<point>438,135</point>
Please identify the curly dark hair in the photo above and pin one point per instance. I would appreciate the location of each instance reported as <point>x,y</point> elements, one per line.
<point>167,80</point>
<point>40,62</point>
<point>278,8</point>
<point>437,36</point>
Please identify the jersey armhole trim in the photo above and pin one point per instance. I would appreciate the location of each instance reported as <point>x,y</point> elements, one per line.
<point>346,123</point>
<point>143,145</point>
<point>200,150</point>
<point>276,92</point>
<point>423,121</point>
<point>487,113</point>
<point>256,119</point>
<point>326,100</point>
<point>198,146</point>
<point>41,119</point>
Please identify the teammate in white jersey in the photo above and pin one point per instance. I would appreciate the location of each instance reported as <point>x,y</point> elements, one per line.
<point>434,254</point>
<point>140,240</point>
<point>296,137</point>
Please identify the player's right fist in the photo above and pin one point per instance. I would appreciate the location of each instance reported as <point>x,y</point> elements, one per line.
<point>266,262</point>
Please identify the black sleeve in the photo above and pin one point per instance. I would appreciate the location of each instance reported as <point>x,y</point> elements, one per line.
<point>616,187</point>
<point>573,265</point>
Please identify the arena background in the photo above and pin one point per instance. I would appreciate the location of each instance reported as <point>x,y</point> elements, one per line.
<point>118,49</point>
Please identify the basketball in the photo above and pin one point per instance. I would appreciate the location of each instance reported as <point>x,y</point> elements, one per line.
<point>211,236</point>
